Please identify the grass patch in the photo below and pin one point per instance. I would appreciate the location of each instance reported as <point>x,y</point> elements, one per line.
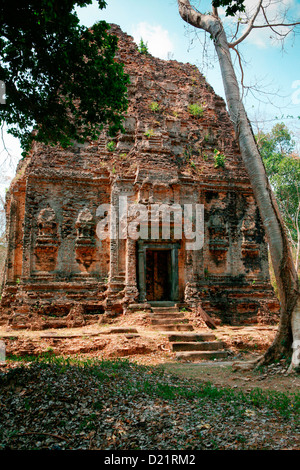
<point>132,379</point>
<point>78,403</point>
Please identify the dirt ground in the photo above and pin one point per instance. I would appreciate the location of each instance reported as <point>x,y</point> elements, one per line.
<point>131,337</point>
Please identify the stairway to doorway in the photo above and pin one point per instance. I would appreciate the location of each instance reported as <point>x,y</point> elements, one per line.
<point>187,344</point>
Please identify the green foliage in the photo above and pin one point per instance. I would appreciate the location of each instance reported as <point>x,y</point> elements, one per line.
<point>196,110</point>
<point>128,379</point>
<point>219,159</point>
<point>149,133</point>
<point>62,81</point>
<point>143,47</point>
<point>275,145</point>
<point>231,6</point>
<point>282,164</point>
<point>111,146</point>
<point>154,106</point>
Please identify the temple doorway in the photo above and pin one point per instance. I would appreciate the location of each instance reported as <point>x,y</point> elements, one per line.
<point>157,271</point>
<point>158,275</point>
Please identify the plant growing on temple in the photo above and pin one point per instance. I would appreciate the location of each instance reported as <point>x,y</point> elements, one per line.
<point>219,159</point>
<point>149,133</point>
<point>111,146</point>
<point>62,81</point>
<point>143,47</point>
<point>154,106</point>
<point>196,110</point>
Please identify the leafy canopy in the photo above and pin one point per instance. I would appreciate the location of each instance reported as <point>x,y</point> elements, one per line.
<point>282,164</point>
<point>61,78</point>
<point>231,6</point>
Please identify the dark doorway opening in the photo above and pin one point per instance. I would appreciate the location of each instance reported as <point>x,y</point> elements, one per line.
<point>158,275</point>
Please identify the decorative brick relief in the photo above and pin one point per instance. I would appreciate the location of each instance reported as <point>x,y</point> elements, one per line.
<point>85,249</point>
<point>47,241</point>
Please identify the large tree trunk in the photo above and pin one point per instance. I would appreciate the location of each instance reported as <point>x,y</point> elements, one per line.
<point>281,256</point>
<point>298,239</point>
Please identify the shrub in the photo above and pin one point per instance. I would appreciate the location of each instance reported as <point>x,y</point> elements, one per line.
<point>219,159</point>
<point>143,47</point>
<point>111,146</point>
<point>149,133</point>
<point>196,110</point>
<point>154,106</point>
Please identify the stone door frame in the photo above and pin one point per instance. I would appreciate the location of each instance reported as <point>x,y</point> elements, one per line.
<point>141,265</point>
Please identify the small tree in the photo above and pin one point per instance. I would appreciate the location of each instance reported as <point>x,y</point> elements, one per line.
<point>143,47</point>
<point>282,164</point>
<point>61,78</point>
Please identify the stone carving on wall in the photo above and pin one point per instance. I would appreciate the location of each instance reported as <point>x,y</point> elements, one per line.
<point>249,246</point>
<point>85,249</point>
<point>218,235</point>
<point>47,242</point>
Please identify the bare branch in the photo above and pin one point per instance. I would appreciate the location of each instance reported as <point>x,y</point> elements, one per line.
<point>241,67</point>
<point>215,12</point>
<point>250,26</point>
<point>274,25</point>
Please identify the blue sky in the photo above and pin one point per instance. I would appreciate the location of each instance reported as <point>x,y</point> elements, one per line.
<point>159,24</point>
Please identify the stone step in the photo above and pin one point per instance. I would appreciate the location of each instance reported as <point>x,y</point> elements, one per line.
<point>173,327</point>
<point>162,303</point>
<point>119,330</point>
<point>165,310</point>
<point>167,316</point>
<point>198,346</point>
<point>187,337</point>
<point>200,355</point>
<point>163,321</point>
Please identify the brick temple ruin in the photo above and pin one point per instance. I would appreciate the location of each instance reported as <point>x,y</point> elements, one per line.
<point>57,267</point>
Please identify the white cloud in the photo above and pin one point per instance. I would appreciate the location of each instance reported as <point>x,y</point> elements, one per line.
<point>276,11</point>
<point>157,39</point>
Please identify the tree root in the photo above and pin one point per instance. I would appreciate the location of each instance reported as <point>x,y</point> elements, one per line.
<point>249,365</point>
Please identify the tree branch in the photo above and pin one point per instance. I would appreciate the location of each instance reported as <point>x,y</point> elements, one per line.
<point>269,25</point>
<point>215,12</point>
<point>241,67</point>
<point>250,26</point>
<point>193,17</point>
